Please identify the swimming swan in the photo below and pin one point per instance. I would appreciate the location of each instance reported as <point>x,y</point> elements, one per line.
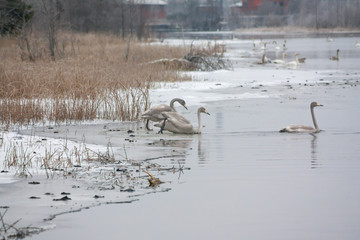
<point>294,63</point>
<point>336,58</point>
<point>176,123</point>
<point>277,47</point>
<point>264,60</point>
<point>302,128</point>
<point>154,113</point>
<point>280,61</point>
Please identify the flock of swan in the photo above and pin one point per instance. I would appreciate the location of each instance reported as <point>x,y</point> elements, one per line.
<point>282,61</point>
<point>169,119</point>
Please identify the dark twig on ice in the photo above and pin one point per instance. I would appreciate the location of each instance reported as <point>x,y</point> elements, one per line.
<point>207,62</point>
<point>9,231</point>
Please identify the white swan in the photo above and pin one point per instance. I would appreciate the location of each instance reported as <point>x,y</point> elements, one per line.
<point>154,113</point>
<point>294,63</point>
<point>357,44</point>
<point>302,128</point>
<point>280,61</point>
<point>176,123</point>
<point>277,47</point>
<point>335,58</point>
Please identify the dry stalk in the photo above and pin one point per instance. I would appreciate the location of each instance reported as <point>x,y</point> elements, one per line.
<point>90,79</point>
<point>19,157</point>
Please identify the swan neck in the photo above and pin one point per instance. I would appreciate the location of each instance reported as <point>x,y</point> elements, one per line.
<point>199,122</point>
<point>173,101</point>
<point>314,119</point>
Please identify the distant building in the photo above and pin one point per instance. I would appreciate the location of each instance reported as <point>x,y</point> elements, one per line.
<point>250,13</point>
<point>251,6</point>
<point>209,14</point>
<point>236,8</point>
<point>152,13</point>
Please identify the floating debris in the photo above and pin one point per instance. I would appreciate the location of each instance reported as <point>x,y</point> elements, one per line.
<point>153,181</point>
<point>65,198</point>
<point>34,183</point>
<point>34,197</point>
<point>127,190</point>
<point>98,196</point>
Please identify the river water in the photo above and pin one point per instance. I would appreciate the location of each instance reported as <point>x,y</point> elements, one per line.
<point>247,180</point>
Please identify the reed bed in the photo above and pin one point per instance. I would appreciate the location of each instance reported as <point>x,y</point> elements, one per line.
<point>94,76</point>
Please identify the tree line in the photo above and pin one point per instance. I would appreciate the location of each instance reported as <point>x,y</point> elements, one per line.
<point>116,16</point>
<point>123,18</point>
<point>313,13</point>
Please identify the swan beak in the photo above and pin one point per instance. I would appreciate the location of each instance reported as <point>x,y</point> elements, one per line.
<point>207,113</point>
<point>320,105</point>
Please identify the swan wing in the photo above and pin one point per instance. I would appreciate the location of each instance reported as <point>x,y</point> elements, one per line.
<point>292,63</point>
<point>176,117</point>
<point>175,127</point>
<point>279,61</point>
<point>154,113</point>
<point>298,129</point>
<point>176,123</point>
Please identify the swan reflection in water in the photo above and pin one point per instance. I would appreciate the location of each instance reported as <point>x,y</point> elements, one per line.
<point>180,148</point>
<point>313,148</point>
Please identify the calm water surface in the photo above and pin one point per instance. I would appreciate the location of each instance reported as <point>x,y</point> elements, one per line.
<point>247,180</point>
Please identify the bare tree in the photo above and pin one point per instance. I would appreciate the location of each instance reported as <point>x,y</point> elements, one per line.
<point>52,10</point>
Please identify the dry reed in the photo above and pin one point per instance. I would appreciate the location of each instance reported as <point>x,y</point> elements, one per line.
<point>94,76</point>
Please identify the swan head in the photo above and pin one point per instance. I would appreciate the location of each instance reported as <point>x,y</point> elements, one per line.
<point>315,104</point>
<point>297,54</point>
<point>338,50</point>
<point>203,110</point>
<point>183,103</point>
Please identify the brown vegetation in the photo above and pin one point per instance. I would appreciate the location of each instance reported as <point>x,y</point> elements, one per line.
<point>94,76</point>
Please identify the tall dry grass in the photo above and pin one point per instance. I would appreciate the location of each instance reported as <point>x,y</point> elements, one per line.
<point>94,76</point>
